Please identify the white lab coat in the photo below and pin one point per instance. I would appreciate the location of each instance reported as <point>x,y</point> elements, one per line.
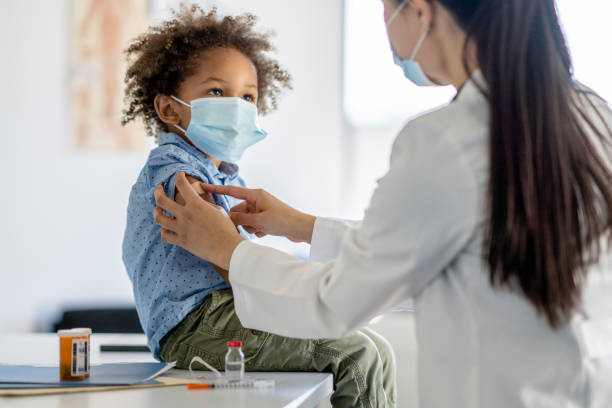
<point>421,238</point>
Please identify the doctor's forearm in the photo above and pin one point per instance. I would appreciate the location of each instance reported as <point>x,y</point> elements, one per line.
<point>303,226</point>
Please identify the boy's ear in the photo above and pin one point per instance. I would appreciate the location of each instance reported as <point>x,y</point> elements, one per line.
<point>164,106</point>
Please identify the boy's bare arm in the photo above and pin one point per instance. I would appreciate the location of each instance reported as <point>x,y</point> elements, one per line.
<point>208,197</point>
<point>196,184</point>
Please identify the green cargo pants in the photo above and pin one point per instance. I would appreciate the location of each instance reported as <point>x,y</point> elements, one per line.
<point>363,363</point>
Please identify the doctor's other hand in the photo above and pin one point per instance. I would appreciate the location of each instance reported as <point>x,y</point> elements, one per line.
<point>263,214</point>
<point>198,226</point>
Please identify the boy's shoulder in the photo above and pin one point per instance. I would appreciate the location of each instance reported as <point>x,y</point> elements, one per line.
<point>171,156</point>
<point>173,149</point>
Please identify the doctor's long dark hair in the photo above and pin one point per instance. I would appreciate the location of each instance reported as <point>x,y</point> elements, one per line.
<point>550,192</point>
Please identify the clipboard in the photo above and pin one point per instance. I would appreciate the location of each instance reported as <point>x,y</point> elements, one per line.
<point>26,392</point>
<point>33,380</point>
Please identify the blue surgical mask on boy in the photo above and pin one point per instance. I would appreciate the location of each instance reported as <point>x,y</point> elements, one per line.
<point>412,69</point>
<point>223,127</point>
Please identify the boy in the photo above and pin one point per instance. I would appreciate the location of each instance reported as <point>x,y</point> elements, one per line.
<point>198,82</point>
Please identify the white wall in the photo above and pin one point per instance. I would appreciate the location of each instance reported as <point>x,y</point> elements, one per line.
<point>64,209</point>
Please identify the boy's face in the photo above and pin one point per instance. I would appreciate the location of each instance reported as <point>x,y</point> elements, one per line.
<point>222,72</point>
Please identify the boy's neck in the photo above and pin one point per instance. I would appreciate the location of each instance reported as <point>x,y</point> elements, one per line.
<point>216,162</point>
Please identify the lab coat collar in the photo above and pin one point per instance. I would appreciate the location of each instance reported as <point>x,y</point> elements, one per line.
<point>476,84</point>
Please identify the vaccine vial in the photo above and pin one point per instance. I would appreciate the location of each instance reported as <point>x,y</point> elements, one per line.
<point>234,361</point>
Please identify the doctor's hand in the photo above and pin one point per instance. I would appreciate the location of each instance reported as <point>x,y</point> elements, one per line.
<point>263,214</point>
<point>198,226</point>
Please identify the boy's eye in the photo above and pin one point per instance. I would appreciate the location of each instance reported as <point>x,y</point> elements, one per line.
<point>249,98</point>
<point>215,92</point>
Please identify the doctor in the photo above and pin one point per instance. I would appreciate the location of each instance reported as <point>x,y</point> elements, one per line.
<point>492,216</point>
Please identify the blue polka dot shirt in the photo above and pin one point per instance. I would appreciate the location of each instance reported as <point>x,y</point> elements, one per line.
<point>168,281</point>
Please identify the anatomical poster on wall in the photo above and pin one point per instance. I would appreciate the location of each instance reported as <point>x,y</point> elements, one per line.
<point>100,31</point>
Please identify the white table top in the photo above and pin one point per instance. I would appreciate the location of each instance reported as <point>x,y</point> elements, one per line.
<point>292,389</point>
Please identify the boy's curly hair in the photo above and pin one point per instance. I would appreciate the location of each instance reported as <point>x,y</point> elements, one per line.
<point>163,57</point>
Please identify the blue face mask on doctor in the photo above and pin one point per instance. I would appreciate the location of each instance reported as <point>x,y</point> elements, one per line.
<point>412,69</point>
<point>222,127</point>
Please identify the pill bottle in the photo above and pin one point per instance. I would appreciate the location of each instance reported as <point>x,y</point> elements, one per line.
<point>234,361</point>
<point>74,354</point>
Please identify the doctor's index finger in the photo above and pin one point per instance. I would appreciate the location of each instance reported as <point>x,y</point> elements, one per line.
<point>233,191</point>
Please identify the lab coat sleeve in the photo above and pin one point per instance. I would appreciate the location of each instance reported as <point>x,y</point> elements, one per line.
<point>327,237</point>
<point>421,215</point>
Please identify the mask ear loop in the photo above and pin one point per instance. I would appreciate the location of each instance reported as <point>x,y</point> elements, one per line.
<point>395,13</point>
<point>180,128</point>
<point>180,101</point>
<point>197,359</point>
<point>419,44</point>
<point>177,126</point>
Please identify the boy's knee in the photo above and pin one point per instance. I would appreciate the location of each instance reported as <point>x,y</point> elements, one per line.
<point>385,349</point>
<point>356,348</point>
<point>366,352</point>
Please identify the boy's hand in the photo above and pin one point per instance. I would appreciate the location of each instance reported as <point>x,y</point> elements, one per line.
<point>200,227</point>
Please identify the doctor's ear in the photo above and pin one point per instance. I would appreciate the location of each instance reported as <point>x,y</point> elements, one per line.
<point>167,110</point>
<point>424,11</point>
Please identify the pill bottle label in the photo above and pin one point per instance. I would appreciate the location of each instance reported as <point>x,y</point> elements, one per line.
<point>79,365</point>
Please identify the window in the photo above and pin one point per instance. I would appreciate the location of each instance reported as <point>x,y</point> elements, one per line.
<point>376,94</point>
<point>588,29</point>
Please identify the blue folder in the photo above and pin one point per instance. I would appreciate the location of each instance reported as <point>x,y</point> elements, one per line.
<point>103,375</point>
